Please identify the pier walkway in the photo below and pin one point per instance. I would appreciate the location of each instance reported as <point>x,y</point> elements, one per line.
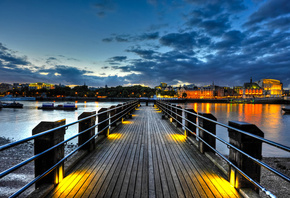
<point>145,157</point>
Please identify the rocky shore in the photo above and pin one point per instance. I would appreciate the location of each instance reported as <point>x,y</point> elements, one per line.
<point>10,157</point>
<point>19,178</point>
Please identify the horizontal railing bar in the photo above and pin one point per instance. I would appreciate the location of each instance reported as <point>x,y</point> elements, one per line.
<point>9,145</point>
<point>268,193</point>
<point>228,144</point>
<point>275,144</point>
<point>62,160</point>
<point>4,173</point>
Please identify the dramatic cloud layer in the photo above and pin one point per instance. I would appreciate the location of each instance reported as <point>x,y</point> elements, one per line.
<point>191,41</point>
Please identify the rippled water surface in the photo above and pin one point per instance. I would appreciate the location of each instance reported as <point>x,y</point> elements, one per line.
<point>18,123</point>
<point>268,117</point>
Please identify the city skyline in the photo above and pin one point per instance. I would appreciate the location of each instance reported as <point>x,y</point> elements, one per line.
<point>107,42</point>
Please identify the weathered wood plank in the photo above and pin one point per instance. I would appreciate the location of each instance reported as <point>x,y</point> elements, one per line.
<point>145,159</point>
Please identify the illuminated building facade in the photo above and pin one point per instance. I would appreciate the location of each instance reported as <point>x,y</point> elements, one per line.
<point>272,87</point>
<point>197,93</point>
<point>39,85</point>
<point>251,90</point>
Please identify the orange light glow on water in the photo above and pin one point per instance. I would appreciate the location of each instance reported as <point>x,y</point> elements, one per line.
<point>134,115</point>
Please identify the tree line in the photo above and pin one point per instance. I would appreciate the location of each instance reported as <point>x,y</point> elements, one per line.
<point>135,91</point>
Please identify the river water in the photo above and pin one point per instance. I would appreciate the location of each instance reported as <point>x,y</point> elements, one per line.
<point>267,117</point>
<point>18,123</point>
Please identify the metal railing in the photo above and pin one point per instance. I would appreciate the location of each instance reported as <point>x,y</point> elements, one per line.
<point>125,108</point>
<point>166,108</point>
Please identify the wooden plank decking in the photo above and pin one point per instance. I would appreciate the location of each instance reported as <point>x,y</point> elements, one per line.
<point>145,157</point>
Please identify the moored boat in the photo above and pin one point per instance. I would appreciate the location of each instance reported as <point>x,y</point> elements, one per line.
<point>12,105</point>
<point>286,110</point>
<point>66,106</point>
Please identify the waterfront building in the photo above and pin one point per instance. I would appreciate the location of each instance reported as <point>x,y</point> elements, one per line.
<point>196,92</point>
<point>251,90</point>
<point>272,87</point>
<point>39,85</point>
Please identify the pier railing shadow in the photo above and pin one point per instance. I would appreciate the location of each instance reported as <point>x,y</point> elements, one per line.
<point>245,144</point>
<point>49,143</point>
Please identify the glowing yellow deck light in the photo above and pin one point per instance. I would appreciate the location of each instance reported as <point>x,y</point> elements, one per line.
<point>233,177</point>
<point>134,115</point>
<point>114,136</point>
<point>127,122</point>
<point>69,182</point>
<point>178,137</point>
<point>59,175</point>
<point>108,132</point>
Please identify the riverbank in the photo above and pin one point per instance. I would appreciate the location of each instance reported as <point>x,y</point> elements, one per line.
<point>11,157</point>
<point>19,178</point>
<point>179,100</point>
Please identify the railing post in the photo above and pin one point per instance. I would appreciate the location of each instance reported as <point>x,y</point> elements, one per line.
<point>249,145</point>
<point>83,125</point>
<point>112,113</point>
<point>118,111</point>
<point>101,132</point>
<point>174,113</point>
<point>189,125</point>
<point>209,126</point>
<point>46,161</point>
<point>179,116</point>
<point>170,113</point>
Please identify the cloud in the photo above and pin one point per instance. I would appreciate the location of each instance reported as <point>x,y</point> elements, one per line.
<point>132,38</point>
<point>7,57</point>
<point>281,24</point>
<point>105,6</point>
<point>116,60</point>
<point>149,36</point>
<point>146,54</point>
<point>52,61</point>
<point>269,10</point>
<point>179,41</point>
<point>108,40</point>
<point>218,6</point>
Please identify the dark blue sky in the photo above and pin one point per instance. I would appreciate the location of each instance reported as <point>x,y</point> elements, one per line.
<point>125,42</point>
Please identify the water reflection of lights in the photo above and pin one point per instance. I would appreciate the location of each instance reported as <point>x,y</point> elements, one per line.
<point>97,104</point>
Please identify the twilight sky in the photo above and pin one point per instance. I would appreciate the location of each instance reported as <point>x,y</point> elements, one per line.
<point>126,42</point>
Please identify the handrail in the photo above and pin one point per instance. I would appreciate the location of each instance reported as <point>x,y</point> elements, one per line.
<point>161,104</point>
<point>9,145</point>
<point>131,106</point>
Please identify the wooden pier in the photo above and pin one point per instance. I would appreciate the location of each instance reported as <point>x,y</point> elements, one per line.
<point>145,157</point>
